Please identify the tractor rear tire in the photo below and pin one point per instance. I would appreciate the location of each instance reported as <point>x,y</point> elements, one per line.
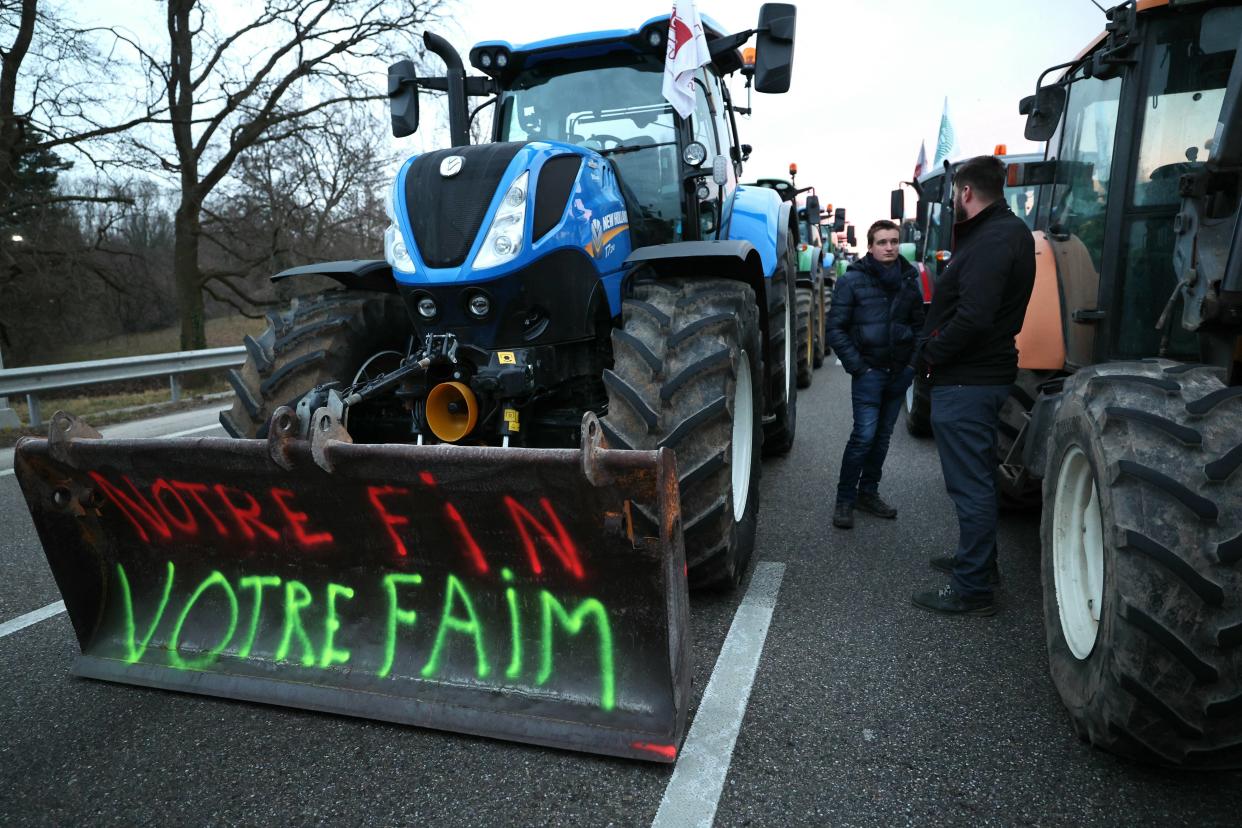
<point>918,409</point>
<point>317,339</point>
<point>820,317</point>
<point>806,345</point>
<point>1142,562</point>
<point>778,435</point>
<point>688,374</point>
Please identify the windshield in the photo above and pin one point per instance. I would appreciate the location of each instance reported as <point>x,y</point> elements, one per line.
<point>1022,201</point>
<point>619,111</point>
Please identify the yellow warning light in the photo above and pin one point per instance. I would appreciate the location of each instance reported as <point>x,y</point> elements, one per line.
<point>1001,149</point>
<point>748,57</point>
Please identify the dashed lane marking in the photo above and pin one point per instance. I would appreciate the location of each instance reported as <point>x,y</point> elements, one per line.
<point>21,622</point>
<point>693,792</point>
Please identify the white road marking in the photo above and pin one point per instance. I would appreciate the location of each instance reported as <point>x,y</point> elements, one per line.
<point>21,622</point>
<point>4,472</point>
<point>693,792</point>
<point>189,431</point>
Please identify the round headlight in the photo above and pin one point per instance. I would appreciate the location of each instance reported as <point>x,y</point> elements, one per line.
<point>653,37</point>
<point>427,308</point>
<point>694,154</point>
<point>503,245</point>
<point>703,192</point>
<point>515,196</point>
<point>502,60</point>
<point>485,60</point>
<point>480,306</point>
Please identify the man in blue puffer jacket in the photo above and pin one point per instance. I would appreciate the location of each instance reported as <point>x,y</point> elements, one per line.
<point>877,310</point>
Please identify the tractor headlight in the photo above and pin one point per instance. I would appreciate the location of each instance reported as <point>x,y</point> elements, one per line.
<point>395,251</point>
<point>694,154</point>
<point>504,237</point>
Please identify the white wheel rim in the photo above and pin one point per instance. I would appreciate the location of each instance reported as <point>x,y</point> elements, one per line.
<point>743,436</point>
<point>1078,552</point>
<point>910,398</point>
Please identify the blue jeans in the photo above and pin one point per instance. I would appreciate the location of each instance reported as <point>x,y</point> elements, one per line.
<point>878,396</point>
<point>965,419</point>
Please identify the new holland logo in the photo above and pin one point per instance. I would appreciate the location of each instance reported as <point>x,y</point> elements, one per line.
<point>451,166</point>
<point>597,237</point>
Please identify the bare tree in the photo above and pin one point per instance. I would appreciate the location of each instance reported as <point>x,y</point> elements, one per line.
<point>311,197</point>
<point>290,70</point>
<point>54,95</point>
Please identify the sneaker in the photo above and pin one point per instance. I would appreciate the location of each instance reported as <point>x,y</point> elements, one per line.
<point>944,563</point>
<point>947,600</point>
<point>843,516</point>
<point>875,505</point>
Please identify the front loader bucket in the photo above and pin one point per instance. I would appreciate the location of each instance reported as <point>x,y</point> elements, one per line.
<point>497,592</point>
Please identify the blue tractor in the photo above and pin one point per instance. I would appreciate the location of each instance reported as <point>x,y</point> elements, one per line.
<point>596,255</point>
<point>469,488</point>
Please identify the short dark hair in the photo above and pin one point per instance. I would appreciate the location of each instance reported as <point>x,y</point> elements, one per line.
<point>882,224</point>
<point>985,174</point>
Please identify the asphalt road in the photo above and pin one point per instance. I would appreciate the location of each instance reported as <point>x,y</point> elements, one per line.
<point>864,710</point>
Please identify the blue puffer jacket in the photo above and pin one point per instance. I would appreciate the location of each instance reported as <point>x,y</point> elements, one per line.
<point>875,315</point>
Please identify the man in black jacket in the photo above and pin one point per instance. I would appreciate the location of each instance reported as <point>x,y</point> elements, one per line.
<point>876,310</point>
<point>968,355</point>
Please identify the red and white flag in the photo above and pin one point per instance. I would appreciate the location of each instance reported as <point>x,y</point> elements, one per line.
<point>687,51</point>
<point>920,166</point>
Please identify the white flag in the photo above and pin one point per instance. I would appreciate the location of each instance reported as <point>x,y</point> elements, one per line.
<point>687,51</point>
<point>946,143</point>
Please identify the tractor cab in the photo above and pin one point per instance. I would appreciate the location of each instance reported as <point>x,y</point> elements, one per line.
<point>603,91</point>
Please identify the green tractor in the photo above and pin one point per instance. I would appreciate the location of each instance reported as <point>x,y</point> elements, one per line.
<point>812,310</point>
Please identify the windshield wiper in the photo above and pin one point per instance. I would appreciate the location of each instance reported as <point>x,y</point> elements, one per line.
<point>634,148</point>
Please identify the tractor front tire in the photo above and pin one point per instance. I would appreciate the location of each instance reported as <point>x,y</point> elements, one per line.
<point>1016,489</point>
<point>317,339</point>
<point>806,344</point>
<point>1142,582</point>
<point>687,375</point>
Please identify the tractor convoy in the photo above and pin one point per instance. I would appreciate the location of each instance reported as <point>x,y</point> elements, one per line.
<point>469,487</point>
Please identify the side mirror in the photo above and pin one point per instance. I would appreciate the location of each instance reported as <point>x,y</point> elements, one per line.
<point>1043,112</point>
<point>850,237</point>
<point>774,47</point>
<point>897,204</point>
<point>403,98</point>
<point>812,210</point>
<point>838,220</point>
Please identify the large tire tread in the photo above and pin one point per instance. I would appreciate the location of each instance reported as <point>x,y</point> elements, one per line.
<point>671,385</point>
<point>1163,683</point>
<point>317,339</point>
<point>804,354</point>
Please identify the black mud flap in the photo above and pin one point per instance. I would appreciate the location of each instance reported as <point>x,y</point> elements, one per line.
<point>496,592</point>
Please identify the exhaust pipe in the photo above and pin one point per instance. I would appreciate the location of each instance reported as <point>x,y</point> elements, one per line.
<point>459,130</point>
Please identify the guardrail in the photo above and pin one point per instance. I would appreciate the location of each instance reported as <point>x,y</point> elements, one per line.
<point>38,379</point>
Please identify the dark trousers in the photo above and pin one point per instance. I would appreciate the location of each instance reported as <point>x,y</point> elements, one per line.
<point>965,419</point>
<point>878,396</point>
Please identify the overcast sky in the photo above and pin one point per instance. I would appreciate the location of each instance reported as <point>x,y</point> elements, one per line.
<point>869,80</point>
